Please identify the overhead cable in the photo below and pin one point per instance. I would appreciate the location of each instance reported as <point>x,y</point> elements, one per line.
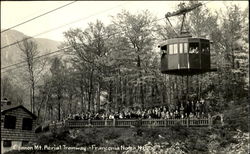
<point>29,20</point>
<point>55,28</point>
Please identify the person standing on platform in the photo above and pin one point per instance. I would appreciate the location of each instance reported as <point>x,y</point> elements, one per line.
<point>197,108</point>
<point>202,106</point>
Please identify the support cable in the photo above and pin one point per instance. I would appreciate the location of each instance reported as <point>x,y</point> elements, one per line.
<point>29,20</point>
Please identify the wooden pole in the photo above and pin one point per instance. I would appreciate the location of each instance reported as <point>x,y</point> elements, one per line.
<point>187,88</point>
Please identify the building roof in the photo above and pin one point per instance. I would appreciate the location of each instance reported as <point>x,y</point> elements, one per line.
<point>7,108</point>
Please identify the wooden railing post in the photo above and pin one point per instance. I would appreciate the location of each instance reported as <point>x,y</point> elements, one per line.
<point>105,123</point>
<point>114,122</point>
<point>187,122</point>
<point>210,122</point>
<point>89,123</point>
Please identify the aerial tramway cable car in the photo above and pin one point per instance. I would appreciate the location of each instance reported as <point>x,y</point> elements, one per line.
<point>185,55</point>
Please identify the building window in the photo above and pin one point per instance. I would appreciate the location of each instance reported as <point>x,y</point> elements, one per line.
<point>27,124</point>
<point>185,47</point>
<point>181,47</point>
<point>10,122</point>
<point>171,49</point>
<point>24,143</point>
<point>7,143</point>
<point>175,48</point>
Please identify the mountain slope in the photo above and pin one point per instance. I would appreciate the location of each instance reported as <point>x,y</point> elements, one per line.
<point>11,55</point>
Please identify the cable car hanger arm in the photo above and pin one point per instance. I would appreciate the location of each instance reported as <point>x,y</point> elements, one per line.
<point>183,10</point>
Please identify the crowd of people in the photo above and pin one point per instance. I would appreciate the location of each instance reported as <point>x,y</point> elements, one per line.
<point>190,109</point>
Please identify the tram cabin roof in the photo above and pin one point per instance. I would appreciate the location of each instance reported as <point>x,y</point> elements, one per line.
<point>183,40</point>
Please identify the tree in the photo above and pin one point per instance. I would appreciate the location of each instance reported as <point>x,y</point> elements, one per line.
<point>89,48</point>
<point>34,66</point>
<point>11,91</point>
<point>43,98</point>
<point>137,34</point>
<point>58,81</point>
<point>235,50</point>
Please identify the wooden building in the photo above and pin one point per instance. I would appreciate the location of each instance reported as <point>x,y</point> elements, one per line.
<point>17,126</point>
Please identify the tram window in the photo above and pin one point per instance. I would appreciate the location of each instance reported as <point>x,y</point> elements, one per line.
<point>175,48</point>
<point>181,48</point>
<point>164,49</point>
<point>193,47</point>
<point>185,47</point>
<point>171,49</point>
<point>205,48</point>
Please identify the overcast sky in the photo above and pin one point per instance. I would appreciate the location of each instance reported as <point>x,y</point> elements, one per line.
<point>81,13</point>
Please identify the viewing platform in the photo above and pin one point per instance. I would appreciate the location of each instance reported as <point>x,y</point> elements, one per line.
<point>204,122</point>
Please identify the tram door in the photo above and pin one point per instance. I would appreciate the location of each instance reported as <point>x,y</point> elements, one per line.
<point>194,55</point>
<point>183,50</point>
<point>173,58</point>
<point>164,58</point>
<point>205,55</point>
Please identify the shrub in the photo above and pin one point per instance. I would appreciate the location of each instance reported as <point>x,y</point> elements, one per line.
<point>139,131</point>
<point>38,129</point>
<point>45,138</point>
<point>151,133</point>
<point>184,132</point>
<point>61,133</point>
<point>112,133</point>
<point>176,127</point>
<point>201,145</point>
<point>18,152</point>
<point>46,128</point>
<point>120,142</point>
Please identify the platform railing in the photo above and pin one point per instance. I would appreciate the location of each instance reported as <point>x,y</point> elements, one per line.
<point>205,122</point>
